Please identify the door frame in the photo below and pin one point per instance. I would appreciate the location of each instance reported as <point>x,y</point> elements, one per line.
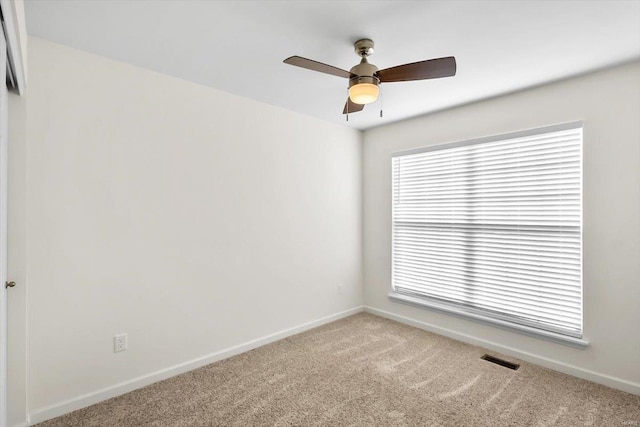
<point>4,135</point>
<point>12,71</point>
<point>14,29</point>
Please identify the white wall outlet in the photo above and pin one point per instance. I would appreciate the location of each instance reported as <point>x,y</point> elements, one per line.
<point>339,288</point>
<point>119,343</point>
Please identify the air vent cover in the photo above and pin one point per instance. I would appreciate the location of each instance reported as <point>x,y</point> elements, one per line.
<point>500,362</point>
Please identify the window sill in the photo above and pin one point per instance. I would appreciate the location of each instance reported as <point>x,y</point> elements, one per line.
<point>522,329</point>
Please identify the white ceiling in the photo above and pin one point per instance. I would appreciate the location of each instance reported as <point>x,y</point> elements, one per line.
<point>238,46</point>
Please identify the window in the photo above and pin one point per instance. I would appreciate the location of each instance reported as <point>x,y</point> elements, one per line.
<point>492,229</point>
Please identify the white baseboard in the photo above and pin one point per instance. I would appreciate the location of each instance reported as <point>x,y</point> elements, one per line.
<point>82,401</point>
<point>575,371</point>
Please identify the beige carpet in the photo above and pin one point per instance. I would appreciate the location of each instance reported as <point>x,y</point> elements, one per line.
<point>365,371</point>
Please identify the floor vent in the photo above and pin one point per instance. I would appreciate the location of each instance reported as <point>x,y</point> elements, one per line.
<point>500,362</point>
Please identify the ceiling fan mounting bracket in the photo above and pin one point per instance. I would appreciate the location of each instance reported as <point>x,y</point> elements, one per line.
<point>363,47</point>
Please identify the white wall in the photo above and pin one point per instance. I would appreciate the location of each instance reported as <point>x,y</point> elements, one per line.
<point>609,104</point>
<point>189,218</point>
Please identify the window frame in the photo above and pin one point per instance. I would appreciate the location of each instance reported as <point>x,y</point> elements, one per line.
<point>479,315</point>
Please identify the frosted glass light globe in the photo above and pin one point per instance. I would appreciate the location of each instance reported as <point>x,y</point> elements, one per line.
<point>364,93</point>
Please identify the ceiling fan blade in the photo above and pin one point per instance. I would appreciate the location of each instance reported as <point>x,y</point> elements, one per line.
<point>310,64</point>
<point>429,69</point>
<point>353,107</point>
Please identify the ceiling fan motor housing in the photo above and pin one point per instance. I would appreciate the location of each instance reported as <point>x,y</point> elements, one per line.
<point>364,73</point>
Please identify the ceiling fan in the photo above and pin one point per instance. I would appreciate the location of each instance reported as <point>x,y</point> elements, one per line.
<point>365,78</point>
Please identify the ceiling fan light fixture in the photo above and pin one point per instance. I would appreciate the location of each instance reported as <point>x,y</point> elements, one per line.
<point>364,89</point>
<point>364,93</point>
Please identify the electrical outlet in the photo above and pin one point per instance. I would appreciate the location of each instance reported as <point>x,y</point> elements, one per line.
<point>119,343</point>
<point>340,288</point>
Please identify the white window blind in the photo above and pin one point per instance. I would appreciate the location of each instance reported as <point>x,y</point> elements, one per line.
<point>494,227</point>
